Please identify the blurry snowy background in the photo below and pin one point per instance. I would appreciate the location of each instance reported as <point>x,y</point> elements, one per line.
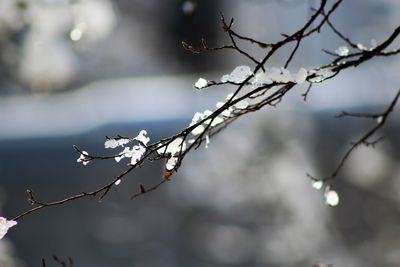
<point>74,71</point>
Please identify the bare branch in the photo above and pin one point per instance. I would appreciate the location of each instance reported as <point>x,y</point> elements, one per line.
<point>364,140</point>
<point>258,96</point>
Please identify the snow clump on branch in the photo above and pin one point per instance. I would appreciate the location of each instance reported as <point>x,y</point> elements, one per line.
<point>278,75</point>
<point>238,75</point>
<point>173,150</point>
<point>137,151</point>
<point>5,225</point>
<point>84,158</point>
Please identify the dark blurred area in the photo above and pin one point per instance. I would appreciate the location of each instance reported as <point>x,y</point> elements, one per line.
<point>59,45</point>
<point>75,71</point>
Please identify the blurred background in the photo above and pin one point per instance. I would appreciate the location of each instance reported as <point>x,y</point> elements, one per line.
<point>74,71</point>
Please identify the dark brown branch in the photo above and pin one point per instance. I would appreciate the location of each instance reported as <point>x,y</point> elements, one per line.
<point>341,36</point>
<point>93,157</point>
<point>42,205</point>
<point>144,190</point>
<point>227,28</point>
<point>305,94</point>
<point>268,94</point>
<point>293,53</point>
<point>326,16</point>
<point>251,40</point>
<point>369,54</point>
<point>358,115</point>
<point>362,141</point>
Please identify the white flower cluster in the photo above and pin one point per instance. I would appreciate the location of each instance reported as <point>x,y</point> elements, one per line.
<point>173,150</point>
<point>331,196</point>
<point>5,225</point>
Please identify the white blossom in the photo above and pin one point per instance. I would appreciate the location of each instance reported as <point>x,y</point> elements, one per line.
<point>142,137</point>
<point>342,51</point>
<point>84,158</point>
<point>238,75</point>
<point>331,198</point>
<point>113,143</point>
<point>379,120</point>
<point>117,182</point>
<point>5,225</point>
<point>201,83</point>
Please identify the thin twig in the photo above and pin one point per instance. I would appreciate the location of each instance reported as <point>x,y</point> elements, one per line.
<point>363,140</point>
